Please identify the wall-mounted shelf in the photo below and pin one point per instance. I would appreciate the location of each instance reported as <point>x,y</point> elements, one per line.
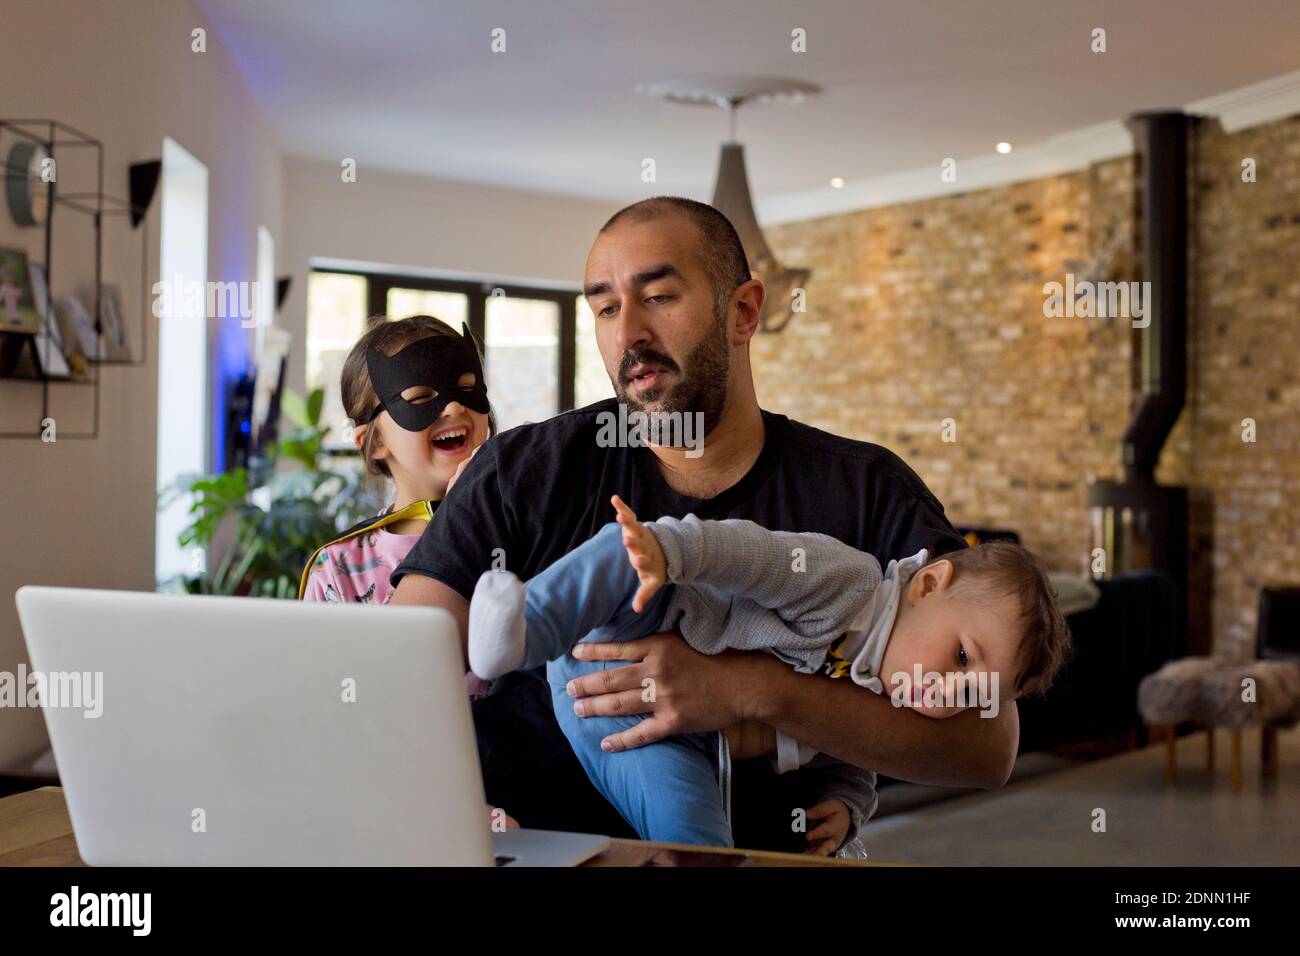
<point>95,204</point>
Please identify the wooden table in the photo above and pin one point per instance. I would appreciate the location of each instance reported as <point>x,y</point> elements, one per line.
<point>35,831</point>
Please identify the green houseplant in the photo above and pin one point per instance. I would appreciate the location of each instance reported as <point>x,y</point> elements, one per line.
<point>282,509</point>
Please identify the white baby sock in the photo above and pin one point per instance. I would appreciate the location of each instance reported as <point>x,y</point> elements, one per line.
<point>496,625</point>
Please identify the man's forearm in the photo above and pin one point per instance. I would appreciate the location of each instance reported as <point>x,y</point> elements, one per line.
<point>850,723</point>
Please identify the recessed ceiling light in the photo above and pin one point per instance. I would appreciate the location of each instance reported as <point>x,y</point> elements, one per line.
<point>1004,148</point>
<point>837,183</point>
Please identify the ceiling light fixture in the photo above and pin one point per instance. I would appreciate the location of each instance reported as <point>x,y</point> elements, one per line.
<point>731,194</point>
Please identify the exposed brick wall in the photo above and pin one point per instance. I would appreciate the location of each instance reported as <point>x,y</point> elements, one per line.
<point>932,310</point>
<point>1247,365</point>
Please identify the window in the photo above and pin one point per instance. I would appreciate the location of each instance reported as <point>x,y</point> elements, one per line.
<point>336,317</point>
<point>451,307</point>
<point>522,353</point>
<point>539,345</point>
<point>591,381</point>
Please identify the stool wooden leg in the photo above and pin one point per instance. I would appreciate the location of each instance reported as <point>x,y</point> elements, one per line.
<point>1268,749</point>
<point>1236,761</point>
<point>1171,755</point>
<point>1209,749</point>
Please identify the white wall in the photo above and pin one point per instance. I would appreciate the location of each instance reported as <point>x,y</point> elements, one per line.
<point>426,223</point>
<point>81,513</point>
<point>77,512</point>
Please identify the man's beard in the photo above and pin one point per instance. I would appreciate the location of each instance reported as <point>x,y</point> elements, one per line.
<point>701,386</point>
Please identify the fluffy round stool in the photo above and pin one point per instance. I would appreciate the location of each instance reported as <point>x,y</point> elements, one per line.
<point>1218,692</point>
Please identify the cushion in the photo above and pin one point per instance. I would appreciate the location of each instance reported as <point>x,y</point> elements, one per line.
<point>1209,690</point>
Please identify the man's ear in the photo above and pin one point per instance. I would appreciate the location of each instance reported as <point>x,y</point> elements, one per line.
<point>747,307</point>
<point>935,576</point>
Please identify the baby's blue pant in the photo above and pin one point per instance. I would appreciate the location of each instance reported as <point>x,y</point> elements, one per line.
<point>668,790</point>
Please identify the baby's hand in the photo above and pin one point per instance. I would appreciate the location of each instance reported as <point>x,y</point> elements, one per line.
<point>644,554</point>
<point>460,469</point>
<point>499,821</point>
<point>825,838</point>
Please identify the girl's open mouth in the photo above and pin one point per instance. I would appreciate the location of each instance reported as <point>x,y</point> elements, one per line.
<point>451,441</point>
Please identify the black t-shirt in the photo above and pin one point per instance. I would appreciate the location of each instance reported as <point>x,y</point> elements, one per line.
<point>536,492</point>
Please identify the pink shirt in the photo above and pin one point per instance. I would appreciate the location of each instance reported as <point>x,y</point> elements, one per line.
<point>356,571</point>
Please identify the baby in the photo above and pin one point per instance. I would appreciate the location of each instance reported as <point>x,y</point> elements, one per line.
<point>974,628</point>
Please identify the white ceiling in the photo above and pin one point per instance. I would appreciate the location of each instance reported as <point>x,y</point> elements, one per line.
<point>413,85</point>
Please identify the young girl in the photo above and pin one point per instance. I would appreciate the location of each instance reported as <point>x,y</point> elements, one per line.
<point>414,389</point>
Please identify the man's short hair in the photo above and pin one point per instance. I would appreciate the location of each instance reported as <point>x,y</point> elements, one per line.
<point>720,250</point>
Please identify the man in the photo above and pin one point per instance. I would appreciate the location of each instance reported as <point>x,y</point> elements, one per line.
<point>675,307</point>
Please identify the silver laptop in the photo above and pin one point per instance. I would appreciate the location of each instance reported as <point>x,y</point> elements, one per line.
<point>241,731</point>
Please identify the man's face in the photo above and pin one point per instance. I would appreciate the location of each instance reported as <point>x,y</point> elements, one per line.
<point>665,345</point>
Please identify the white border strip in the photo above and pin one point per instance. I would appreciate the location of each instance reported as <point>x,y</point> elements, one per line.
<point>1253,105</point>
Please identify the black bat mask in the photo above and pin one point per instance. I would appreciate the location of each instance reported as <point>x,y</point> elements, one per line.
<point>437,362</point>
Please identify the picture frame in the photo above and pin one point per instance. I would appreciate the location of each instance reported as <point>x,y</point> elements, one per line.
<point>77,329</point>
<point>18,311</point>
<point>49,356</point>
<point>40,290</point>
<point>112,327</point>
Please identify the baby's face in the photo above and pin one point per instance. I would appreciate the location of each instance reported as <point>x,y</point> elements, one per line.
<point>948,632</point>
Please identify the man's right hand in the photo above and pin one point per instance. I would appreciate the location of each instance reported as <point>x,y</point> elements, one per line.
<point>689,691</point>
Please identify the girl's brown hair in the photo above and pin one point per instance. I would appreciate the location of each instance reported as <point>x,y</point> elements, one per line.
<point>358,392</point>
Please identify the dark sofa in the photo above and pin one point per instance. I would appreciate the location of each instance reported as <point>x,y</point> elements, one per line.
<point>1129,633</point>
